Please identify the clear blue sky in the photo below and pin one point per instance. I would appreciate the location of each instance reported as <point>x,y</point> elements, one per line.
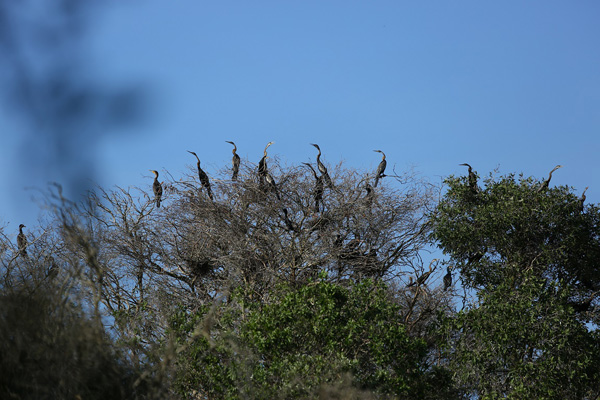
<point>514,85</point>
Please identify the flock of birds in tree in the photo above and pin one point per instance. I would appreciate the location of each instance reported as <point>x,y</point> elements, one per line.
<point>267,180</point>
<point>320,180</point>
<point>472,182</point>
<point>447,279</point>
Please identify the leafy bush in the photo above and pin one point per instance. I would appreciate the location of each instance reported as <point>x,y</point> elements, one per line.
<point>305,341</point>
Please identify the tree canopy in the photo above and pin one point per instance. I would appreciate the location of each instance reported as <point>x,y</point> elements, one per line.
<point>529,252</point>
<point>281,284</point>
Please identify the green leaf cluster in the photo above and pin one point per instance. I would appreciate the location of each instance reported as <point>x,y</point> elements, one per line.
<point>523,344</point>
<point>310,339</point>
<point>531,253</point>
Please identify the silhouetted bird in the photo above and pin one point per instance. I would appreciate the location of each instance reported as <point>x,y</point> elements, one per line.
<point>235,162</point>
<point>157,188</point>
<point>262,165</point>
<point>582,199</point>
<point>546,183</point>
<point>447,279</point>
<point>322,167</point>
<point>204,181</point>
<point>472,178</point>
<point>319,188</point>
<point>22,241</point>
<point>421,279</point>
<point>380,168</point>
<point>369,195</point>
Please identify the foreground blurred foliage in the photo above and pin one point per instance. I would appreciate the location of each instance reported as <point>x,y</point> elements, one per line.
<point>258,291</point>
<point>50,349</point>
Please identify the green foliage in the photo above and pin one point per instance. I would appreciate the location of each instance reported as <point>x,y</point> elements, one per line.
<point>531,252</point>
<point>510,226</point>
<point>207,362</point>
<point>523,343</point>
<point>307,339</point>
<point>310,316</point>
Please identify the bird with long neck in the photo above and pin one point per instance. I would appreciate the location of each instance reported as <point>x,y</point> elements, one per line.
<point>22,241</point>
<point>322,167</point>
<point>157,188</point>
<point>235,162</point>
<point>546,183</point>
<point>582,199</point>
<point>380,168</point>
<point>204,181</point>
<point>319,187</point>
<point>262,165</point>
<point>472,178</point>
<point>421,279</point>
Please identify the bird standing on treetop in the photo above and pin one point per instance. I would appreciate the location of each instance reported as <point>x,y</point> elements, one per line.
<point>545,184</point>
<point>262,165</point>
<point>157,188</point>
<point>322,167</point>
<point>235,161</point>
<point>582,199</point>
<point>472,178</point>
<point>381,168</point>
<point>319,188</point>
<point>22,241</point>
<point>447,279</point>
<point>203,177</point>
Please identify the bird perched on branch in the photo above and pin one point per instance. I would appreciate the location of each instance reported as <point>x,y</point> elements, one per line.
<point>204,181</point>
<point>157,188</point>
<point>582,199</point>
<point>447,279</point>
<point>319,187</point>
<point>288,222</point>
<point>472,178</point>
<point>322,167</point>
<point>262,165</point>
<point>22,241</point>
<point>545,184</point>
<point>380,168</point>
<point>235,162</point>
<point>271,182</point>
<point>421,279</point>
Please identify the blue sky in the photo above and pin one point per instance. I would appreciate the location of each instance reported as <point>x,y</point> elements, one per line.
<point>508,85</point>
